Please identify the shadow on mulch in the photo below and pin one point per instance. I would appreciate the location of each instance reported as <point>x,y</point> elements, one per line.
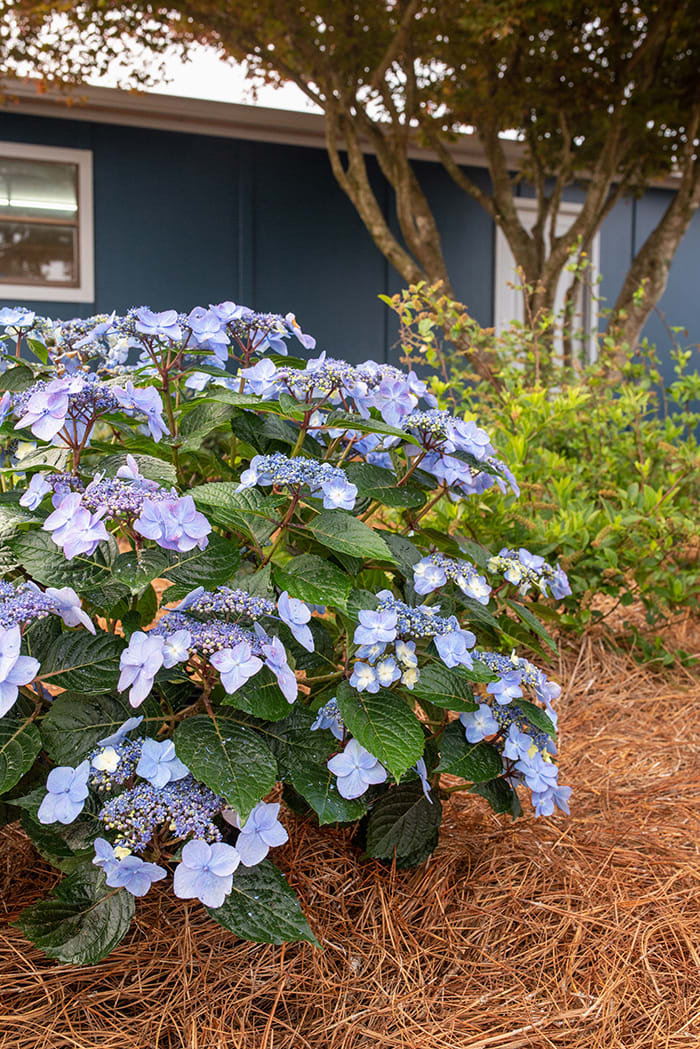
<point>580,933</point>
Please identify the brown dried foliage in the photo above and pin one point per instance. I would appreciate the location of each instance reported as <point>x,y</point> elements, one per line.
<point>580,933</point>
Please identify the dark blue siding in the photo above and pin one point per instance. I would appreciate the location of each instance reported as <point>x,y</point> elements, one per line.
<point>185,219</point>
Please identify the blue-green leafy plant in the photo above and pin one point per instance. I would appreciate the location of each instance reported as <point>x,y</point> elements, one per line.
<point>219,597</point>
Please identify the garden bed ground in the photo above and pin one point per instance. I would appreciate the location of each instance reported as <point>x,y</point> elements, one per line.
<point>579,933</point>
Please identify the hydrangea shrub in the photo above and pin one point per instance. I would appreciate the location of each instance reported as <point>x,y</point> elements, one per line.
<point>220,602</point>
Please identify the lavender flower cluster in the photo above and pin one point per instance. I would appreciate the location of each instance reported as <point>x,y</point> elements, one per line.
<point>77,521</point>
<point>236,651</point>
<point>524,570</point>
<point>156,802</point>
<point>65,409</point>
<point>395,622</point>
<point>433,571</point>
<point>321,478</point>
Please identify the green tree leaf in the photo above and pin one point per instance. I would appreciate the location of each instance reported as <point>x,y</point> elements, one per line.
<point>81,662</point>
<point>350,421</point>
<point>445,688</point>
<point>20,743</point>
<point>531,620</point>
<point>64,846</point>
<point>405,823</point>
<point>263,908</point>
<point>384,725</point>
<point>339,530</point>
<point>82,922</point>
<point>312,579</point>
<point>474,762</point>
<point>229,757</point>
<point>406,554</point>
<point>152,468</point>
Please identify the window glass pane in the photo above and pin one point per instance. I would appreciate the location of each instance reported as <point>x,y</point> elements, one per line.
<point>38,253</point>
<point>36,189</point>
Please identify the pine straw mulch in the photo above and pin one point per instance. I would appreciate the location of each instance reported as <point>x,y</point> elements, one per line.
<point>579,933</point>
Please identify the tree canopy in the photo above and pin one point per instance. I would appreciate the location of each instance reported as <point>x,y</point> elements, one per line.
<point>602,94</point>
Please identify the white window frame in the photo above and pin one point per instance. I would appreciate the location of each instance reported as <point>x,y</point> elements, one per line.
<point>85,291</point>
<point>508,301</point>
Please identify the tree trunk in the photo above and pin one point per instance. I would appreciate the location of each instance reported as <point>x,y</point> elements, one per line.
<point>648,275</point>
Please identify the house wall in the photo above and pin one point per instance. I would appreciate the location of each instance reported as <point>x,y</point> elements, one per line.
<point>185,219</point>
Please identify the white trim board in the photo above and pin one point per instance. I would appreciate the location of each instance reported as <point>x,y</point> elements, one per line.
<point>507,299</point>
<point>85,292</point>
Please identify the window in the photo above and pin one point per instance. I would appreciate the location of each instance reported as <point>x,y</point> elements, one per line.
<point>46,224</point>
<point>508,300</point>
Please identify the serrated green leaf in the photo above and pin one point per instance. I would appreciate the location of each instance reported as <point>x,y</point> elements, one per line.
<point>339,530</point>
<point>374,482</point>
<point>312,579</point>
<point>82,922</point>
<point>403,822</point>
<point>317,785</point>
<point>500,796</point>
<point>531,620</point>
<point>249,512</point>
<point>261,696</point>
<point>475,762</point>
<point>65,847</point>
<point>350,421</point>
<point>230,758</point>
<point>211,567</point>
<point>81,662</point>
<point>152,468</point>
<point>263,908</point>
<point>136,569</point>
<point>406,553</point>
<point>449,689</point>
<point>74,723</point>
<point>384,725</point>
<point>20,743</point>
<point>538,717</point>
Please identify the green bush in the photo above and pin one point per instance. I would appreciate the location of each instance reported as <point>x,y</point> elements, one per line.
<point>607,458</point>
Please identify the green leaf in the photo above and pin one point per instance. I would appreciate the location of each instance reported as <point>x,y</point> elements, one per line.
<point>384,725</point>
<point>20,743</point>
<point>374,482</point>
<point>474,762</point>
<point>500,796</point>
<point>445,688</point>
<point>81,662</point>
<point>17,378</point>
<point>538,717</point>
<point>261,696</point>
<point>356,422</point>
<point>74,723</point>
<point>82,922</point>
<point>317,785</point>
<point>249,512</point>
<point>301,757</point>
<point>46,564</point>
<point>339,530</point>
<point>152,468</point>
<point>263,908</point>
<point>312,579</point>
<point>406,554</point>
<point>65,847</point>
<point>403,822</point>
<point>479,672</point>
<point>135,570</point>
<point>211,567</point>
<point>228,757</point>
<point>531,620</point>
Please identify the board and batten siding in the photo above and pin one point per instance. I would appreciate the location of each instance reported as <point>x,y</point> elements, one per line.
<point>184,219</point>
